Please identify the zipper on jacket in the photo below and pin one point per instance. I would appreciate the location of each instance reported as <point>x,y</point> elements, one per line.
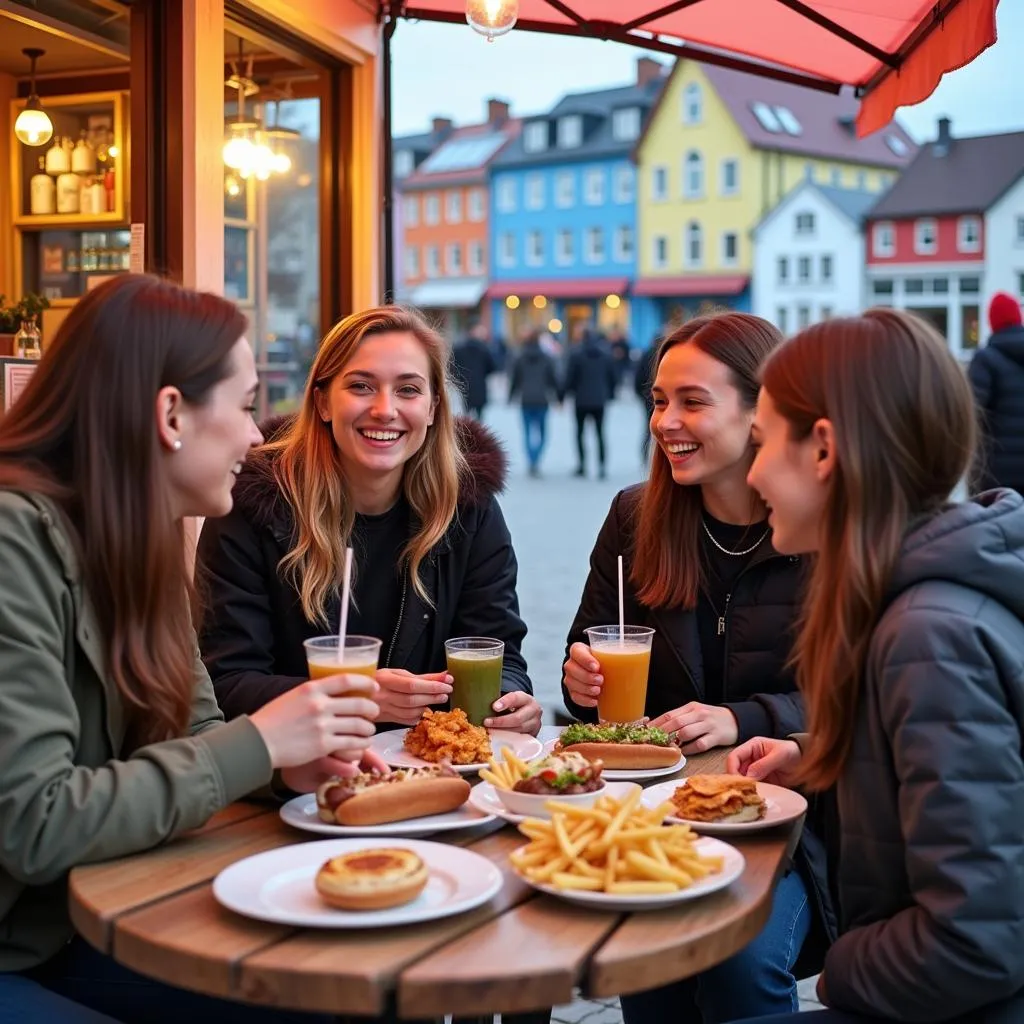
<point>398,624</point>
<point>724,615</point>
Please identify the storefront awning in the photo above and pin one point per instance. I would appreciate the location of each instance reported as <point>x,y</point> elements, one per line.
<point>893,51</point>
<point>691,285</point>
<point>464,294</point>
<point>567,288</point>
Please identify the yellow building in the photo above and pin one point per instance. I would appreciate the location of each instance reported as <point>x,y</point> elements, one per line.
<point>719,151</point>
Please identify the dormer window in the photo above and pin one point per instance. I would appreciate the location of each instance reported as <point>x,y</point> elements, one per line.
<point>570,132</point>
<point>626,124</point>
<point>403,163</point>
<point>693,104</point>
<point>535,137</point>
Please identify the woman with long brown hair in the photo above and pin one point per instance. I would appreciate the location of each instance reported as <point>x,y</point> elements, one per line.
<point>111,742</point>
<point>376,459</point>
<point>701,570</point>
<point>910,657</point>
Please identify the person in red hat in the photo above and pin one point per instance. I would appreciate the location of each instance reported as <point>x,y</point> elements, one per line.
<point>997,375</point>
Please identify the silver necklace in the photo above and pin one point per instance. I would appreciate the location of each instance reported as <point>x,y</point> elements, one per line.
<point>726,551</point>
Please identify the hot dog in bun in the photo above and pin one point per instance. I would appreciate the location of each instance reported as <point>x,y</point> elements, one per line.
<point>621,746</point>
<point>368,799</point>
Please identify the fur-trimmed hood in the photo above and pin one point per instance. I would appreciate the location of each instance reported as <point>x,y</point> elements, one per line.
<point>258,495</point>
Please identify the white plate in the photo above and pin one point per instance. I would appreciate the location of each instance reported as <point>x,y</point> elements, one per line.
<point>732,867</point>
<point>630,774</point>
<point>279,885</point>
<point>782,805</point>
<point>389,746</point>
<point>301,813</point>
<point>485,799</point>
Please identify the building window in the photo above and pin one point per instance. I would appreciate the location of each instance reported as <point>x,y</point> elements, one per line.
<point>968,234</point>
<point>914,286</point>
<point>940,286</point>
<point>432,210</point>
<point>783,268</point>
<point>453,208</point>
<point>659,184</point>
<point>507,195</point>
<point>883,286</point>
<point>693,104</point>
<point>826,269</point>
<point>626,124</point>
<point>476,205</point>
<point>862,181</point>
<point>730,249</point>
<point>803,269</point>
<point>507,249</point>
<point>782,318</point>
<point>1020,283</point>
<point>593,187</point>
<point>805,223</point>
<point>970,285</point>
<point>565,190</point>
<point>1020,230</point>
<point>623,244</point>
<point>622,184</point>
<point>404,163</point>
<point>694,244</point>
<point>412,262</point>
<point>826,313</point>
<point>835,177</point>
<point>433,261</point>
<point>883,239</point>
<point>533,198</point>
<point>570,132</point>
<point>926,237</point>
<point>661,252</point>
<point>730,184</point>
<point>564,247</point>
<point>411,209</point>
<point>453,259</point>
<point>803,317</point>
<point>693,175</point>
<point>535,137</point>
<point>476,258</point>
<point>593,240</point>
<point>534,248</point>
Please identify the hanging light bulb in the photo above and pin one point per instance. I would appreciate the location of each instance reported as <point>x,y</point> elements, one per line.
<point>492,18</point>
<point>33,126</point>
<point>232,186</point>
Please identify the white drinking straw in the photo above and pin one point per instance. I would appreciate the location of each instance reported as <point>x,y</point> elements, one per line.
<point>622,609</point>
<point>346,591</point>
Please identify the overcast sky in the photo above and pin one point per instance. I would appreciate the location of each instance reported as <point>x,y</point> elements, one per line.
<point>448,70</point>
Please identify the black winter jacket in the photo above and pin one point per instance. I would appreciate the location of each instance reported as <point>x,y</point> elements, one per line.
<point>931,801</point>
<point>252,633</point>
<point>590,377</point>
<point>997,375</point>
<point>534,378</point>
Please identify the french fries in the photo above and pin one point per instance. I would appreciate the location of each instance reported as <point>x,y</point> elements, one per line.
<point>615,846</point>
<point>506,773</point>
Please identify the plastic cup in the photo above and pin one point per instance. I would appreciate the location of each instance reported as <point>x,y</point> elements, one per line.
<point>475,663</point>
<point>624,655</point>
<point>359,657</point>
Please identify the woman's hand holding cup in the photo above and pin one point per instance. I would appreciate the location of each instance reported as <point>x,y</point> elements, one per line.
<point>582,677</point>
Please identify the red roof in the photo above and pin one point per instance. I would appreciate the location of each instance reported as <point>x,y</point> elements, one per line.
<point>691,285</point>
<point>567,288</point>
<point>894,50</point>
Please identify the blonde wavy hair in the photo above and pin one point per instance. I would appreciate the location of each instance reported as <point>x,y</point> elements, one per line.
<point>309,470</point>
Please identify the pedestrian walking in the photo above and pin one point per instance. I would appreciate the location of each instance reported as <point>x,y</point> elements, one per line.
<point>590,379</point>
<point>472,363</point>
<point>534,382</point>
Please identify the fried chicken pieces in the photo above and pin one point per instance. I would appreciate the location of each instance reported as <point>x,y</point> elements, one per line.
<point>448,736</point>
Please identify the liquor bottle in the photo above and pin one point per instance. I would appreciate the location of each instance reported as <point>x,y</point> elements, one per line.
<point>69,193</point>
<point>42,192</point>
<point>57,161</point>
<point>108,185</point>
<point>26,341</point>
<point>83,158</point>
<point>73,261</point>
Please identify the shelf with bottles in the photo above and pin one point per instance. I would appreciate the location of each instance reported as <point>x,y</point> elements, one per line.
<point>64,265</point>
<point>79,176</point>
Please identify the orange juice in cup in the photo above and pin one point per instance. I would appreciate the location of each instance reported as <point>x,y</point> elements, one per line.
<point>359,656</point>
<point>624,654</point>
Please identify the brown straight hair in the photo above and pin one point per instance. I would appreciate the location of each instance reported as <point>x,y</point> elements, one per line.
<point>84,434</point>
<point>667,570</point>
<point>904,422</point>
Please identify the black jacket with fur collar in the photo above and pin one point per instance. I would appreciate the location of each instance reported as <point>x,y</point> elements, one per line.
<point>252,632</point>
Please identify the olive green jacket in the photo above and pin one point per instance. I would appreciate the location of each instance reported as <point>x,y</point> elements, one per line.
<point>65,796</point>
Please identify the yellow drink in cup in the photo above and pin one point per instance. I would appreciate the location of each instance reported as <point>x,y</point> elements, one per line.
<point>359,656</point>
<point>625,660</point>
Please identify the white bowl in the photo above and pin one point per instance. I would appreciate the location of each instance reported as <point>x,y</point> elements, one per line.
<point>532,804</point>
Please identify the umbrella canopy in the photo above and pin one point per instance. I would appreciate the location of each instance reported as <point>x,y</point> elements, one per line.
<point>894,52</point>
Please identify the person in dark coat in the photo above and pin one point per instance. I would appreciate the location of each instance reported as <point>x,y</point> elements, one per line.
<point>997,375</point>
<point>911,662</point>
<point>374,459</point>
<point>701,569</point>
<point>590,379</point>
<point>643,378</point>
<point>534,382</point>
<point>618,347</point>
<point>472,363</point>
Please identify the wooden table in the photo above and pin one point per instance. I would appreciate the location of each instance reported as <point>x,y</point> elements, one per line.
<point>156,914</point>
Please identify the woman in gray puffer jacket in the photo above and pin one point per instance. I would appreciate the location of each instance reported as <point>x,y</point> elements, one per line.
<point>911,660</point>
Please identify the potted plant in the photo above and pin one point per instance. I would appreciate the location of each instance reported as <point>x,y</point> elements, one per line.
<point>11,317</point>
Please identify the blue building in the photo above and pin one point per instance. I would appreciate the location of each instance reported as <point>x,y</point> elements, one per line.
<point>563,212</point>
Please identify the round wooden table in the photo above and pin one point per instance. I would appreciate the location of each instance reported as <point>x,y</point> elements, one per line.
<point>156,914</point>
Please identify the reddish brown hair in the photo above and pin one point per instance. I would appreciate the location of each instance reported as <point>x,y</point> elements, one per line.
<point>667,570</point>
<point>905,431</point>
<point>84,434</point>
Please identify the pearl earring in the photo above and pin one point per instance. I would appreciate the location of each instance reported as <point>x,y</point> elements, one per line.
<point>176,446</point>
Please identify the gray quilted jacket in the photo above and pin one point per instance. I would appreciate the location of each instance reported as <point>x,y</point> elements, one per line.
<point>931,803</point>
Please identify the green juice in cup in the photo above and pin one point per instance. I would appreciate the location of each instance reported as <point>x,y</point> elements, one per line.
<point>475,664</point>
